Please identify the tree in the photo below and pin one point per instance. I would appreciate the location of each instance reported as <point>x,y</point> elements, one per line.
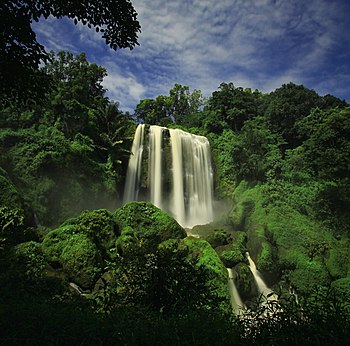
<point>286,106</point>
<point>258,151</point>
<point>234,105</point>
<point>21,54</point>
<point>185,104</point>
<point>78,96</point>
<point>181,107</point>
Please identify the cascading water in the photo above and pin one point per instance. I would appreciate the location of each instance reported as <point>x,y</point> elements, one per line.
<point>262,287</point>
<point>132,183</point>
<point>179,180</point>
<point>236,300</point>
<point>155,165</point>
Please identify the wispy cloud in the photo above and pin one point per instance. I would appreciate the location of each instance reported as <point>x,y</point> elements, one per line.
<point>253,43</point>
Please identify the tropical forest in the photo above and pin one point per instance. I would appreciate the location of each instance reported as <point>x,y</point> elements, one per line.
<point>220,220</point>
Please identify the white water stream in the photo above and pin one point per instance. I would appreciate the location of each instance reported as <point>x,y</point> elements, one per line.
<point>236,301</point>
<point>133,177</point>
<point>262,287</point>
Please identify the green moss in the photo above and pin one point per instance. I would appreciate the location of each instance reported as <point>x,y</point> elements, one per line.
<point>68,247</point>
<point>29,260</point>
<point>204,255</point>
<point>148,222</point>
<point>342,289</point>
<point>55,241</point>
<point>230,255</point>
<point>245,282</point>
<point>307,275</point>
<point>218,238</point>
<point>80,260</point>
<point>99,225</point>
<point>337,262</point>
<point>125,240</point>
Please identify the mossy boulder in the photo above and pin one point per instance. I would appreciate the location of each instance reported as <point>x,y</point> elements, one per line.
<point>230,255</point>
<point>230,246</point>
<point>268,264</point>
<point>148,222</point>
<point>75,253</point>
<point>28,260</point>
<point>99,225</point>
<point>203,254</point>
<point>218,238</point>
<point>245,282</point>
<point>81,260</point>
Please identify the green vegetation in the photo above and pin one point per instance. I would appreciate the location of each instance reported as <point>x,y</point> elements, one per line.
<point>76,269</point>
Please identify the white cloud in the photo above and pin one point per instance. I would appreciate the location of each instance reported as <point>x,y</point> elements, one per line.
<point>253,43</point>
<point>122,87</point>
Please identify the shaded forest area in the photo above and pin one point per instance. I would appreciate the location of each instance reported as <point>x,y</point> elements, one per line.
<point>78,268</point>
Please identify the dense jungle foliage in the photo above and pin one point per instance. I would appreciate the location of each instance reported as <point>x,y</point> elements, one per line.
<point>77,267</point>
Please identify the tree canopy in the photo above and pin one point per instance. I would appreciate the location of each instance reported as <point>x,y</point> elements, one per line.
<point>21,53</point>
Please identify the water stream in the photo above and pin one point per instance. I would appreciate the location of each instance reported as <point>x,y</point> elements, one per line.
<point>236,301</point>
<point>265,291</point>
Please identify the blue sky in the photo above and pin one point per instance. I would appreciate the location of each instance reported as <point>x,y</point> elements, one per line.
<point>259,44</point>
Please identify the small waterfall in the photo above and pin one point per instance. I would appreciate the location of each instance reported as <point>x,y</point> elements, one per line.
<point>262,287</point>
<point>133,178</point>
<point>236,300</point>
<point>180,178</point>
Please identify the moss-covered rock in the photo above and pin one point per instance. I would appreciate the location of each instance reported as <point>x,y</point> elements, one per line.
<point>230,255</point>
<point>81,260</point>
<point>70,248</point>
<point>268,264</point>
<point>28,260</point>
<point>54,243</point>
<point>245,282</point>
<point>148,222</point>
<point>218,237</point>
<point>205,255</point>
<point>99,225</point>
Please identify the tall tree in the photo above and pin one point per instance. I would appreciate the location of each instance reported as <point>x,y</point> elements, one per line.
<point>78,97</point>
<point>234,105</point>
<point>21,54</point>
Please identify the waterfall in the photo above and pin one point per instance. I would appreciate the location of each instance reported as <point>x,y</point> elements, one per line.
<point>133,177</point>
<point>155,165</point>
<point>236,300</point>
<point>262,287</point>
<point>180,179</point>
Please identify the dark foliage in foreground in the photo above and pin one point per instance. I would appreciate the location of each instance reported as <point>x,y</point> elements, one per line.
<point>320,320</point>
